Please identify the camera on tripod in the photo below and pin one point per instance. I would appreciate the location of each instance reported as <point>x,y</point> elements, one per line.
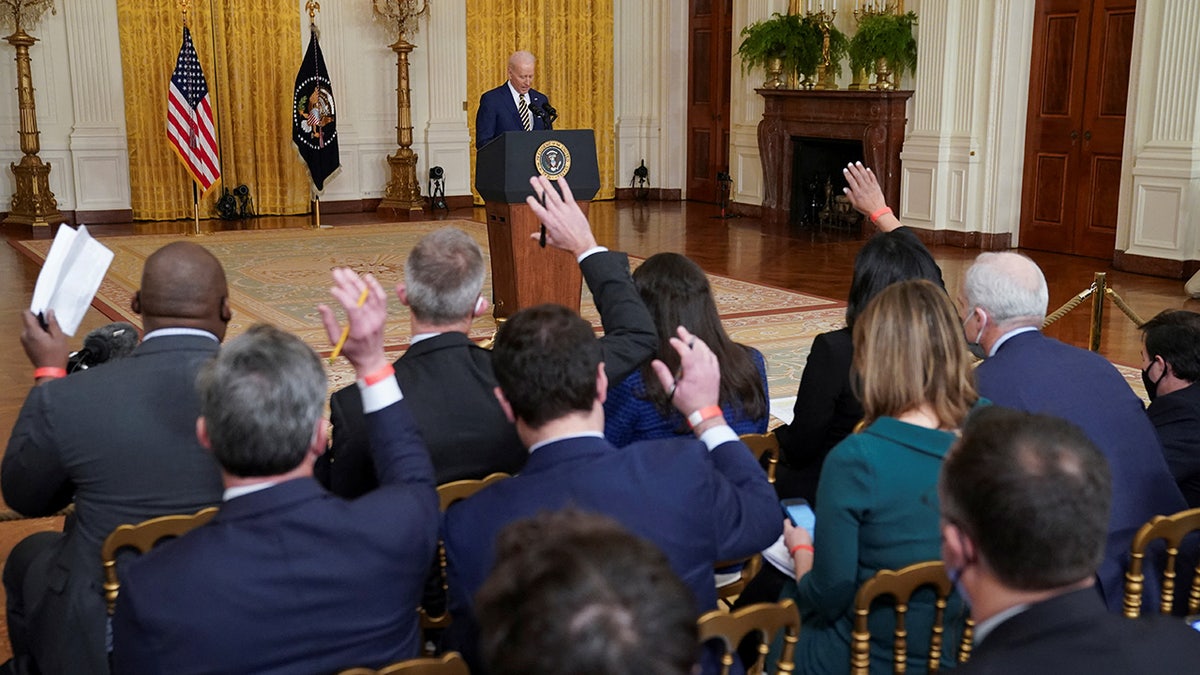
<point>437,188</point>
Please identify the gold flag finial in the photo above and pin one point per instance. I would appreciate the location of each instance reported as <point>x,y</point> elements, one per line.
<point>184,6</point>
<point>312,6</point>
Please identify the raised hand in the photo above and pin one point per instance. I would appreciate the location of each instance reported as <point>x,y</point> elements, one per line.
<point>698,384</point>
<point>364,338</point>
<point>866,196</point>
<point>45,347</point>
<point>566,225</point>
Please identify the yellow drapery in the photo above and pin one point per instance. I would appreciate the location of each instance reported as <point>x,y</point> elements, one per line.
<point>573,43</point>
<point>249,56</point>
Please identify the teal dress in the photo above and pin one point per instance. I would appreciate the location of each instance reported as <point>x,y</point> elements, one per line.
<point>877,508</point>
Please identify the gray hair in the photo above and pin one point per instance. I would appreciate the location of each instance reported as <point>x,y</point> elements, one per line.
<point>261,399</point>
<point>521,56</point>
<point>444,276</point>
<point>1008,286</point>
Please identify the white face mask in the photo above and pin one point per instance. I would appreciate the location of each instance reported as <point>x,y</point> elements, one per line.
<point>975,347</point>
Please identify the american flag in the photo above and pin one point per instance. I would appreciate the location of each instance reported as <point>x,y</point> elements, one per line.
<point>190,127</point>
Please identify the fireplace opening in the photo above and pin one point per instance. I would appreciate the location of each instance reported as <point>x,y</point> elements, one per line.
<point>817,181</point>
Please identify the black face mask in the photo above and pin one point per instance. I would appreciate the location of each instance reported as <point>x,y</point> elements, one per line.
<point>1151,385</point>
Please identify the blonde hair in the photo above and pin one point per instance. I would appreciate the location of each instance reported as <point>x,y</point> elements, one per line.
<point>909,351</point>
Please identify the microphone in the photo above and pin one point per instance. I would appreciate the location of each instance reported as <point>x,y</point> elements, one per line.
<point>106,343</point>
<point>546,113</point>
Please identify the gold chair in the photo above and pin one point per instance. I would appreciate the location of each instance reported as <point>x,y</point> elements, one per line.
<point>901,585</point>
<point>764,445</point>
<point>449,493</point>
<point>728,592</point>
<point>450,664</point>
<point>142,537</point>
<point>767,618</point>
<point>1172,529</point>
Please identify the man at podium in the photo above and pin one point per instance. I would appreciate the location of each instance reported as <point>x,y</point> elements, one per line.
<point>514,105</point>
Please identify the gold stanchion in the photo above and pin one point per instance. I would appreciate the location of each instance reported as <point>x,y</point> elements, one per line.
<point>1097,311</point>
<point>403,191</point>
<point>1098,291</point>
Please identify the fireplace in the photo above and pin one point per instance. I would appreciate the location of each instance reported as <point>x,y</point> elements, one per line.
<point>817,181</point>
<point>794,122</point>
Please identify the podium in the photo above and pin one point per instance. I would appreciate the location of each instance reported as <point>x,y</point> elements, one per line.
<point>523,273</point>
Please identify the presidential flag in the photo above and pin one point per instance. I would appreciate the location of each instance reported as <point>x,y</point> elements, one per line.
<point>314,115</point>
<point>190,127</point>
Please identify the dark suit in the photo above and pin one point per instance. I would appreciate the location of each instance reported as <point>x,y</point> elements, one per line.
<point>1176,417</point>
<point>498,113</point>
<point>826,411</point>
<point>290,579</point>
<point>1072,634</point>
<point>449,384</point>
<point>1035,373</point>
<point>119,440</point>
<point>699,507</point>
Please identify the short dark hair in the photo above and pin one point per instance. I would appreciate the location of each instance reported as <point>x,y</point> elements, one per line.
<point>545,359</point>
<point>1174,334</point>
<point>886,258</point>
<point>1033,493</point>
<point>261,398</point>
<point>574,592</point>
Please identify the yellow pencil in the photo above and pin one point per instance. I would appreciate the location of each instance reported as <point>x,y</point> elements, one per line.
<point>337,349</point>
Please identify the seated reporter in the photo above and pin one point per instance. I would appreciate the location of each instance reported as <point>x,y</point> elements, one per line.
<point>1171,371</point>
<point>288,578</point>
<point>877,499</point>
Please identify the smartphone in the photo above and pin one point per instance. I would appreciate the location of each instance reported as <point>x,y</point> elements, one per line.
<point>800,513</point>
<point>1193,621</point>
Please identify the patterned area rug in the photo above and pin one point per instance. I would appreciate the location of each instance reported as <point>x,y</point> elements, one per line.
<point>280,276</point>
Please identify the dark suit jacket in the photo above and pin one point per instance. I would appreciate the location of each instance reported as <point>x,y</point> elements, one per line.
<point>498,113</point>
<point>448,383</point>
<point>826,411</point>
<point>699,507</point>
<point>1072,634</point>
<point>1039,374</point>
<point>119,440</point>
<point>290,579</point>
<point>1176,417</point>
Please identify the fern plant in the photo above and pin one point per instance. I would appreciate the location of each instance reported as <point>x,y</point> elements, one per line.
<point>784,37</point>
<point>885,36</point>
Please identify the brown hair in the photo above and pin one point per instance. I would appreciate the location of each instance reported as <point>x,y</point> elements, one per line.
<point>909,351</point>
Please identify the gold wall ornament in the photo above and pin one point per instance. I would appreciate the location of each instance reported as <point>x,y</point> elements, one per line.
<point>403,191</point>
<point>32,203</point>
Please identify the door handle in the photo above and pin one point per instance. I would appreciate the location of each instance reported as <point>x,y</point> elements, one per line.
<point>1087,135</point>
<point>1074,134</point>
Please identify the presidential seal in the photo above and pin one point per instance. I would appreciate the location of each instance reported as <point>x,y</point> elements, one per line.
<point>314,112</point>
<point>553,160</point>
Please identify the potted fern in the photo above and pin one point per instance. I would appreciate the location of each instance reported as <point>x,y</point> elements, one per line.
<point>884,44</point>
<point>781,45</point>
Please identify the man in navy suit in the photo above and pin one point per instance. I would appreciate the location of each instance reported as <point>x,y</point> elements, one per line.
<point>1024,501</point>
<point>513,106</point>
<point>288,578</point>
<point>1171,373</point>
<point>1005,297</point>
<point>701,501</point>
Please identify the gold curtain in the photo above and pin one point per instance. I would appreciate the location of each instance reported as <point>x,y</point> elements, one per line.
<point>573,43</point>
<point>249,56</point>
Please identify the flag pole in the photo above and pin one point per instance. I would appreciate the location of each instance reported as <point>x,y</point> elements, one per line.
<point>317,209</point>
<point>196,206</point>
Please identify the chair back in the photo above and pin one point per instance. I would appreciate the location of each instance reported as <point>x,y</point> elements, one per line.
<point>142,537</point>
<point>449,493</point>
<point>901,585</point>
<point>767,618</point>
<point>727,592</point>
<point>764,445</point>
<point>1172,529</point>
<point>449,664</point>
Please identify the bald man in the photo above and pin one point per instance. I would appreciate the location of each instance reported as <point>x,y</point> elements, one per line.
<point>1005,298</point>
<point>513,106</point>
<point>117,440</point>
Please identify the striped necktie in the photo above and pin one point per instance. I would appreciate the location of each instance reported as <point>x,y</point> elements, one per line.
<point>526,118</point>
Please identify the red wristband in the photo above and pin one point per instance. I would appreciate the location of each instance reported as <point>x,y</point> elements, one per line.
<point>699,416</point>
<point>49,371</point>
<point>379,375</point>
<point>875,216</point>
<point>800,547</point>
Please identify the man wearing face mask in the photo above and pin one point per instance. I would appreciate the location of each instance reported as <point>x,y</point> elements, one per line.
<point>1170,370</point>
<point>1024,502</point>
<point>1005,298</point>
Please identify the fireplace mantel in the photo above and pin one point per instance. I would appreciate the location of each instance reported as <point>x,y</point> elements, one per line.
<point>873,117</point>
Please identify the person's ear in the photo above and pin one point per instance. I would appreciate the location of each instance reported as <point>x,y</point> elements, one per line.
<point>202,433</point>
<point>320,439</point>
<point>481,306</point>
<point>135,303</point>
<point>226,311</point>
<point>402,293</point>
<point>953,554</point>
<point>505,405</point>
<point>601,383</point>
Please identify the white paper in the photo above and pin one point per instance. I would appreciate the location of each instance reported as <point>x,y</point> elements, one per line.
<point>70,277</point>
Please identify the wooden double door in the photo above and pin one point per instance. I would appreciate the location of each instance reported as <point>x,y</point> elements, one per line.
<point>710,51</point>
<point>1078,85</point>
